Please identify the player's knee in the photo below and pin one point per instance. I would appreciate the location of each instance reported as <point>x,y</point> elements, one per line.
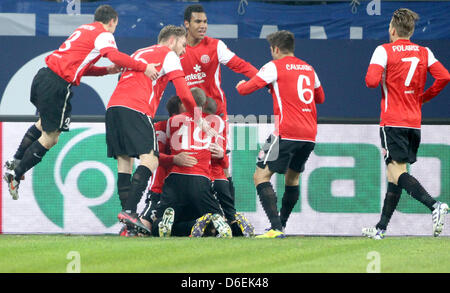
<point>48,140</point>
<point>260,176</point>
<point>150,161</point>
<point>292,178</point>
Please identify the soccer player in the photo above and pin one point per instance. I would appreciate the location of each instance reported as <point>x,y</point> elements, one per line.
<point>296,90</point>
<point>51,88</point>
<point>131,108</point>
<point>187,192</point>
<point>239,224</point>
<point>174,107</point>
<point>401,67</point>
<point>202,60</point>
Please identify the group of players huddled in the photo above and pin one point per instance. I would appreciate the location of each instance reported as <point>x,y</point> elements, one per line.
<point>185,159</point>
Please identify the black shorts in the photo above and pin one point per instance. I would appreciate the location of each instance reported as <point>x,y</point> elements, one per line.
<point>129,133</point>
<point>190,196</point>
<point>400,144</point>
<point>280,154</point>
<point>51,95</point>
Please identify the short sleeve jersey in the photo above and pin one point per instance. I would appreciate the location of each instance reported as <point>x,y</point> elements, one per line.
<point>137,91</point>
<point>405,70</point>
<point>201,64</point>
<point>85,46</point>
<point>292,85</point>
<point>185,136</point>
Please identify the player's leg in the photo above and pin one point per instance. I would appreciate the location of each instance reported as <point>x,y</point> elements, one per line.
<point>31,135</point>
<point>203,200</point>
<point>222,190</point>
<point>139,180</point>
<point>302,151</point>
<point>390,203</point>
<point>51,95</point>
<point>32,156</point>
<point>290,196</point>
<point>274,157</point>
<point>124,171</point>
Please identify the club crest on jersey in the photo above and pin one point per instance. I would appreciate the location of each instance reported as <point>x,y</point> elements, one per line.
<point>205,59</point>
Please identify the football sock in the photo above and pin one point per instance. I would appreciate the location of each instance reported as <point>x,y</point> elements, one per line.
<point>32,134</point>
<point>290,198</point>
<point>230,181</point>
<point>390,204</point>
<point>123,187</point>
<point>139,183</point>
<point>32,156</point>
<point>268,200</point>
<point>416,190</point>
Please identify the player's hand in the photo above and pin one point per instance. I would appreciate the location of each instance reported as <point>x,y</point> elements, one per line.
<point>216,151</point>
<point>239,83</point>
<point>113,69</point>
<point>184,159</point>
<point>206,128</point>
<point>151,71</point>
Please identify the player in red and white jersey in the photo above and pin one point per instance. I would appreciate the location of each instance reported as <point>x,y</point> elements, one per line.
<point>187,191</point>
<point>401,67</point>
<point>239,224</point>
<point>204,55</point>
<point>203,59</point>
<point>129,129</point>
<point>296,89</point>
<point>174,106</point>
<point>51,88</point>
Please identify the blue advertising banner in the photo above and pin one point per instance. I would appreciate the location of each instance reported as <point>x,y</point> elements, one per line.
<point>340,64</point>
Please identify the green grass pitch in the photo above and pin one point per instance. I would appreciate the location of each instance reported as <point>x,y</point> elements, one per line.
<point>295,254</point>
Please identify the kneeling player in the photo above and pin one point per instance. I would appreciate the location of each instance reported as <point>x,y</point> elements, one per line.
<point>221,185</point>
<point>187,191</point>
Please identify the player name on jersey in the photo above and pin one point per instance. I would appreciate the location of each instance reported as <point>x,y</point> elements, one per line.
<point>404,48</point>
<point>298,67</point>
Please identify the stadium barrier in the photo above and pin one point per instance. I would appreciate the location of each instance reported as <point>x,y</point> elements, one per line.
<point>73,190</point>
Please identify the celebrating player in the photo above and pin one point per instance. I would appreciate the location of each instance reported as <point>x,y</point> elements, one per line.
<point>202,61</point>
<point>401,66</point>
<point>174,107</point>
<point>187,192</point>
<point>133,104</point>
<point>51,88</point>
<point>296,89</point>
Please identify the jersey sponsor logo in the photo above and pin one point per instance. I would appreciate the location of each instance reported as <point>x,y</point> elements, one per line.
<point>197,68</point>
<point>403,48</point>
<point>298,67</point>
<point>205,59</point>
<point>197,77</point>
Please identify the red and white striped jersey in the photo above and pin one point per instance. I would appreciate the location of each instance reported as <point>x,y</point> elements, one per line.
<point>201,65</point>
<point>137,91</point>
<point>184,135</point>
<point>402,68</point>
<point>85,46</point>
<point>295,89</point>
